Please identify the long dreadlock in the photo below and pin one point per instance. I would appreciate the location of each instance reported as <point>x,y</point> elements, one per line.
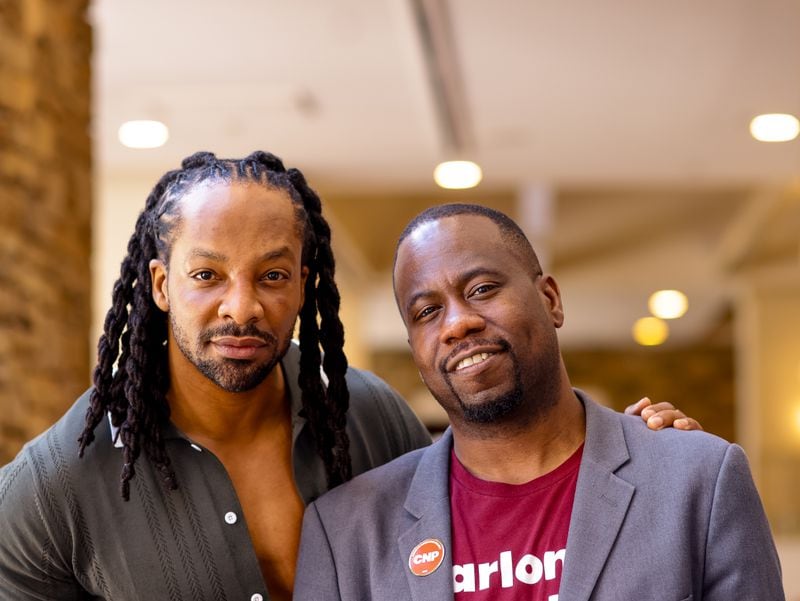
<point>135,330</point>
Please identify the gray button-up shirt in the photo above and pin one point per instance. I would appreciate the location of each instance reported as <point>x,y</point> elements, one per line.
<point>65,532</point>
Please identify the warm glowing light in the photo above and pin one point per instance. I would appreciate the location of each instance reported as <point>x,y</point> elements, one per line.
<point>797,418</point>
<point>775,127</point>
<point>143,134</point>
<point>668,304</point>
<point>650,331</point>
<point>457,175</point>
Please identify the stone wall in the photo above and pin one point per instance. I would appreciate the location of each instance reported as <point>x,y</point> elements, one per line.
<point>45,204</point>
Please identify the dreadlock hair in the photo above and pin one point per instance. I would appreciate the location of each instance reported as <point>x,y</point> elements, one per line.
<point>135,330</point>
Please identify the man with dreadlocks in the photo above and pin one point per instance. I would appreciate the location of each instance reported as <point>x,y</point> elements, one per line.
<point>204,415</point>
<point>225,256</point>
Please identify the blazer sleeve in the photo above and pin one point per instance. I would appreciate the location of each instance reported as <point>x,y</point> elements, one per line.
<point>315,578</point>
<point>741,560</point>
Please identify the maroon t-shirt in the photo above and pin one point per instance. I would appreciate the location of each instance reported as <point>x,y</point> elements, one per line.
<point>509,540</point>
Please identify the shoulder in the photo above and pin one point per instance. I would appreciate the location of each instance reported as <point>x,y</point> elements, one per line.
<point>35,504</point>
<point>367,390</point>
<point>372,398</point>
<point>379,420</point>
<point>57,447</point>
<point>49,466</point>
<point>673,443</point>
<point>693,455</point>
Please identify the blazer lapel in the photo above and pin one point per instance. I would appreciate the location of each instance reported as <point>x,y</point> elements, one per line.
<point>601,502</point>
<point>428,501</point>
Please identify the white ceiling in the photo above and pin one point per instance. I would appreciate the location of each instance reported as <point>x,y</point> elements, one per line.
<point>632,114</point>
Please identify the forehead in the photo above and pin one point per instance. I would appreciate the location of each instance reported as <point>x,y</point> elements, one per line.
<point>237,214</point>
<point>449,246</point>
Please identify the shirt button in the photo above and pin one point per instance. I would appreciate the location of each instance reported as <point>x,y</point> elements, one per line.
<point>230,518</point>
<point>256,597</point>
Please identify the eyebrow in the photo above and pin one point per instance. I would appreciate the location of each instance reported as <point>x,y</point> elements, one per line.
<point>415,297</point>
<point>464,277</point>
<point>203,253</point>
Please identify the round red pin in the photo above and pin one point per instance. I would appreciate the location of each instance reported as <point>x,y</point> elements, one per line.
<point>426,557</point>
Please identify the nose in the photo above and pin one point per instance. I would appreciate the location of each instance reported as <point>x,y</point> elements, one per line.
<point>461,320</point>
<point>241,303</point>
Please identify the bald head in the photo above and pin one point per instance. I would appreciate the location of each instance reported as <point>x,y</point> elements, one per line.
<point>510,233</point>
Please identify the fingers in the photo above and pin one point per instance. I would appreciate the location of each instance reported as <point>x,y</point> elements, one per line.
<point>662,415</point>
<point>638,406</point>
<point>663,418</point>
<point>687,423</point>
<point>660,408</point>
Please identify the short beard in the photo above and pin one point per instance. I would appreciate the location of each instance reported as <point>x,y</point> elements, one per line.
<point>494,410</point>
<point>232,375</point>
<point>503,408</point>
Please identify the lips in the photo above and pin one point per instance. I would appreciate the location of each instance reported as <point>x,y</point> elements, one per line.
<point>472,360</point>
<point>232,347</point>
<point>473,355</point>
<point>238,342</point>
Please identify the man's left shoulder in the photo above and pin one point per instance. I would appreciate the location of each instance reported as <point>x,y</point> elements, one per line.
<point>366,389</point>
<point>380,424</point>
<point>371,398</point>
<point>621,435</point>
<point>699,454</point>
<point>671,440</point>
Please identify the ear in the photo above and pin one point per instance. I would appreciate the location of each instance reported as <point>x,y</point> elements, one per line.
<point>551,295</point>
<point>303,278</point>
<point>158,281</point>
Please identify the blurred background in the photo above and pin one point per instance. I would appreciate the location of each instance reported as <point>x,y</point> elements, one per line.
<point>619,134</point>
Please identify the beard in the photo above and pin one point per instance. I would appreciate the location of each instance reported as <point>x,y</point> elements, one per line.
<point>507,406</point>
<point>232,375</point>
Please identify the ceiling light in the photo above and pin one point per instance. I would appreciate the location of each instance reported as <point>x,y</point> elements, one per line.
<point>650,331</point>
<point>775,127</point>
<point>668,304</point>
<point>457,175</point>
<point>143,134</point>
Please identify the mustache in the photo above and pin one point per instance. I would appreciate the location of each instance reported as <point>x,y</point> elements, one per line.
<point>231,329</point>
<point>472,342</point>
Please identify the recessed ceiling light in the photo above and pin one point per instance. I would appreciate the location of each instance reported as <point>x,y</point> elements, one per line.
<point>143,134</point>
<point>457,175</point>
<point>775,127</point>
<point>668,304</point>
<point>650,331</point>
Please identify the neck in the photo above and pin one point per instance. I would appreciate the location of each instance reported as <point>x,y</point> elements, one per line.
<point>215,417</point>
<point>515,454</point>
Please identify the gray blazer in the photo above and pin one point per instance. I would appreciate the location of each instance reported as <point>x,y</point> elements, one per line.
<point>657,516</point>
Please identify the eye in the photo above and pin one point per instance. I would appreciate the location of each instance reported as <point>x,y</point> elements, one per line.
<point>275,276</point>
<point>482,289</point>
<point>425,312</point>
<point>204,275</point>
